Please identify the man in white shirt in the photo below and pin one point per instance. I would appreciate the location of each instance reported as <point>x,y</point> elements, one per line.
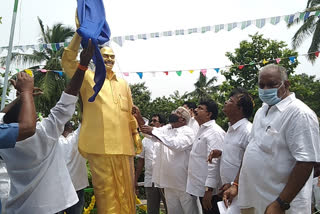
<point>40,181</point>
<point>193,124</point>
<point>203,177</point>
<point>146,159</point>
<point>4,185</point>
<point>176,141</point>
<point>315,202</point>
<point>238,109</point>
<point>76,165</point>
<point>277,168</point>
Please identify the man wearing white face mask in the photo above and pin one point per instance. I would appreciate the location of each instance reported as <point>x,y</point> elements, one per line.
<point>277,168</point>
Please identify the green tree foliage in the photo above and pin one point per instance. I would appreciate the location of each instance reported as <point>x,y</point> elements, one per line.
<point>161,105</point>
<point>2,74</point>
<point>252,54</point>
<point>141,97</point>
<point>307,89</point>
<point>204,88</point>
<point>309,28</point>
<point>51,83</point>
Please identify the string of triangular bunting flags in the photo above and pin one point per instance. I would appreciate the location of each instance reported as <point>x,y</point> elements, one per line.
<point>259,23</point>
<point>204,71</point>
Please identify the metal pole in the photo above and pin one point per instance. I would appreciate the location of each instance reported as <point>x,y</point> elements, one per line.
<point>8,61</point>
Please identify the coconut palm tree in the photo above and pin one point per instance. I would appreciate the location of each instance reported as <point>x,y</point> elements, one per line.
<point>51,83</point>
<point>204,88</point>
<point>310,27</point>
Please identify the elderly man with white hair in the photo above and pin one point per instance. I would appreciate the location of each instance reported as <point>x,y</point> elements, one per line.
<point>277,167</point>
<point>176,140</point>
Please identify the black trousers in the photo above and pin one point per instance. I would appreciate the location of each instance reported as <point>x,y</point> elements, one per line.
<point>214,209</point>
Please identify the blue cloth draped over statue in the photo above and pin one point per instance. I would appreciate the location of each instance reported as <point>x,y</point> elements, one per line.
<point>93,24</point>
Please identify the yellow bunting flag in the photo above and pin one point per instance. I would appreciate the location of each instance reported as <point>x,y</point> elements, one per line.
<point>191,71</point>
<point>28,71</point>
<point>265,61</point>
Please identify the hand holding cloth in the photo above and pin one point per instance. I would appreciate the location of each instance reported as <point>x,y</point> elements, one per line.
<point>93,25</point>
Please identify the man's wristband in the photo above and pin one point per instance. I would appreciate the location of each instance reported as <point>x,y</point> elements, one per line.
<point>235,184</point>
<point>82,67</point>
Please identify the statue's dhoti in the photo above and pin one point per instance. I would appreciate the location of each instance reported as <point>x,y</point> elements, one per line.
<point>113,182</point>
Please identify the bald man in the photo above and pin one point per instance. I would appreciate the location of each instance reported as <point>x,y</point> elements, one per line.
<point>277,167</point>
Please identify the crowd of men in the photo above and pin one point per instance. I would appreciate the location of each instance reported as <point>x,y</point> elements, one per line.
<point>260,167</point>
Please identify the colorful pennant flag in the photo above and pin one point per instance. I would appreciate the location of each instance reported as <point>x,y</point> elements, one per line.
<point>292,59</point>
<point>140,74</point>
<point>265,61</point>
<point>28,71</point>
<point>260,23</point>
<point>204,72</point>
<point>59,72</point>
<point>240,67</point>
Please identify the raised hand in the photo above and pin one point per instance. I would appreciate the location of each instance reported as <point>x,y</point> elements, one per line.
<point>86,54</point>
<point>24,83</point>
<point>146,129</point>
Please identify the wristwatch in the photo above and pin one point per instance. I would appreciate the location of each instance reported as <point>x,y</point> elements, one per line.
<point>284,205</point>
<point>210,189</point>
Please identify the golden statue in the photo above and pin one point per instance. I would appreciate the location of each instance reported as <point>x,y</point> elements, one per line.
<point>108,134</point>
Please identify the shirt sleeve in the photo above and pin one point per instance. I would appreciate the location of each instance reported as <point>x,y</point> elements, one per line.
<point>214,141</point>
<point>303,135</point>
<point>244,139</point>
<point>142,154</point>
<point>180,142</point>
<point>53,125</point>
<point>8,135</point>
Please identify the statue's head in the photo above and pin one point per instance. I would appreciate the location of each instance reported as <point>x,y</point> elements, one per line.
<point>108,57</point>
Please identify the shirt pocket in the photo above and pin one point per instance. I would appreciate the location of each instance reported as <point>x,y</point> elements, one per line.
<point>124,105</point>
<point>267,141</point>
<point>234,154</point>
<point>200,148</point>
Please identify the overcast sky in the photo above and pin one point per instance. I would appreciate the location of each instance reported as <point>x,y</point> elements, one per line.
<point>187,52</point>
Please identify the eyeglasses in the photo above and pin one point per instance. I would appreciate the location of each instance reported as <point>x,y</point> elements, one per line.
<point>108,56</point>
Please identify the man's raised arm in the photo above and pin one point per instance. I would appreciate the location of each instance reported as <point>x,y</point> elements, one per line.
<point>74,86</point>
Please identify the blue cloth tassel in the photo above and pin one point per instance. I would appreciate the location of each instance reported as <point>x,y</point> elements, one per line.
<point>93,25</point>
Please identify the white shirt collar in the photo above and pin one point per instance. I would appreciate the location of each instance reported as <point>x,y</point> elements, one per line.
<point>282,105</point>
<point>238,124</point>
<point>208,123</point>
